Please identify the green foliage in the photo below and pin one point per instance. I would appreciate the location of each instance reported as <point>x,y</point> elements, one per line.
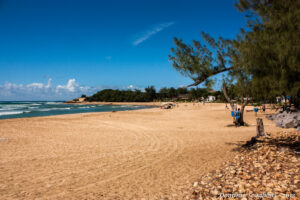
<point>110,95</point>
<point>270,49</point>
<point>172,93</point>
<point>262,62</point>
<point>201,61</point>
<point>150,94</point>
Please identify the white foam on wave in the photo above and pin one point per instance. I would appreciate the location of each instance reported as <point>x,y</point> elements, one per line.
<point>49,109</point>
<point>32,107</point>
<point>84,107</point>
<point>14,106</point>
<point>126,106</point>
<point>53,103</point>
<point>44,109</point>
<point>11,113</point>
<point>6,109</point>
<point>62,108</point>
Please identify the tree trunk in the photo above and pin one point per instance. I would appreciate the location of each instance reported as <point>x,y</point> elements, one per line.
<point>227,97</point>
<point>243,105</point>
<point>242,123</point>
<point>260,131</point>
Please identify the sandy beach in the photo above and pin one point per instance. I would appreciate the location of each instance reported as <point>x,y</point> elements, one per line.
<point>150,153</point>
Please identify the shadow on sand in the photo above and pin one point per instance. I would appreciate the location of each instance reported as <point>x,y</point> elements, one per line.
<point>291,142</point>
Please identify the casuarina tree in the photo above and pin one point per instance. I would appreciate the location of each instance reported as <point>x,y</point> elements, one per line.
<point>270,47</point>
<point>201,62</point>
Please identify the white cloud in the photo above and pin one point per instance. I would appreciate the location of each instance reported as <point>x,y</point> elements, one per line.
<point>36,85</point>
<point>48,92</point>
<point>40,91</point>
<point>71,86</point>
<point>147,34</point>
<point>133,87</point>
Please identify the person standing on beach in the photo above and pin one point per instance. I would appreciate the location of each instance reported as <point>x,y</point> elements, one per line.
<point>238,117</point>
<point>264,108</point>
<point>233,116</point>
<point>255,111</point>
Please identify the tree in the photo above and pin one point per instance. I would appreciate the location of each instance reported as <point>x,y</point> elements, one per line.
<point>172,92</point>
<point>163,92</point>
<point>193,93</point>
<point>182,90</point>
<point>151,93</point>
<point>110,95</point>
<point>201,63</point>
<point>197,61</point>
<point>202,92</point>
<point>270,48</point>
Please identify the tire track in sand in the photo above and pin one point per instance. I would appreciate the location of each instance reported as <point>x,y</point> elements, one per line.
<point>172,148</point>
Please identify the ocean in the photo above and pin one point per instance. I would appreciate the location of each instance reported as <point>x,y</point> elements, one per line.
<point>21,109</point>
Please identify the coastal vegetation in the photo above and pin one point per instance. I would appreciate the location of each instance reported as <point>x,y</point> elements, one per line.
<point>150,94</point>
<point>261,63</point>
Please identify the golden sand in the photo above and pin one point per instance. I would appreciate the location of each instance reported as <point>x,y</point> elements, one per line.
<point>121,155</point>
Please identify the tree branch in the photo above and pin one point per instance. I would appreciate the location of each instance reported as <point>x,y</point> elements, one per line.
<point>202,79</point>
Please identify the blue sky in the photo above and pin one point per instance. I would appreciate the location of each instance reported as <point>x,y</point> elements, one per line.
<point>51,49</point>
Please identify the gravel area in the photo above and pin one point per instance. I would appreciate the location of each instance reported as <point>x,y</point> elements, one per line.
<point>269,169</point>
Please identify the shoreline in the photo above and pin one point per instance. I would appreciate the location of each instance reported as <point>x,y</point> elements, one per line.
<point>44,109</point>
<point>116,103</point>
<point>78,114</point>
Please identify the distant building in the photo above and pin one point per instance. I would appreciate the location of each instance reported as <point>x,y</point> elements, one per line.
<point>211,98</point>
<point>280,99</point>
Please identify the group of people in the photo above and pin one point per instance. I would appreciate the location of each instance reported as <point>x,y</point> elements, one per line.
<point>236,115</point>
<point>263,109</point>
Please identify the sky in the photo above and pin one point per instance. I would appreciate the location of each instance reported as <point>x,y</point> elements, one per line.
<point>60,49</point>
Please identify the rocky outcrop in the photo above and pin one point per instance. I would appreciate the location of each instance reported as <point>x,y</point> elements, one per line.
<point>286,120</point>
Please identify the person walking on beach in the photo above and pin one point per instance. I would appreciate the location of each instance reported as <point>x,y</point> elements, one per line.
<point>238,117</point>
<point>264,108</point>
<point>233,116</point>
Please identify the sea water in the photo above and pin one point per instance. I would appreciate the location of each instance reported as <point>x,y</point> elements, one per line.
<point>20,109</point>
